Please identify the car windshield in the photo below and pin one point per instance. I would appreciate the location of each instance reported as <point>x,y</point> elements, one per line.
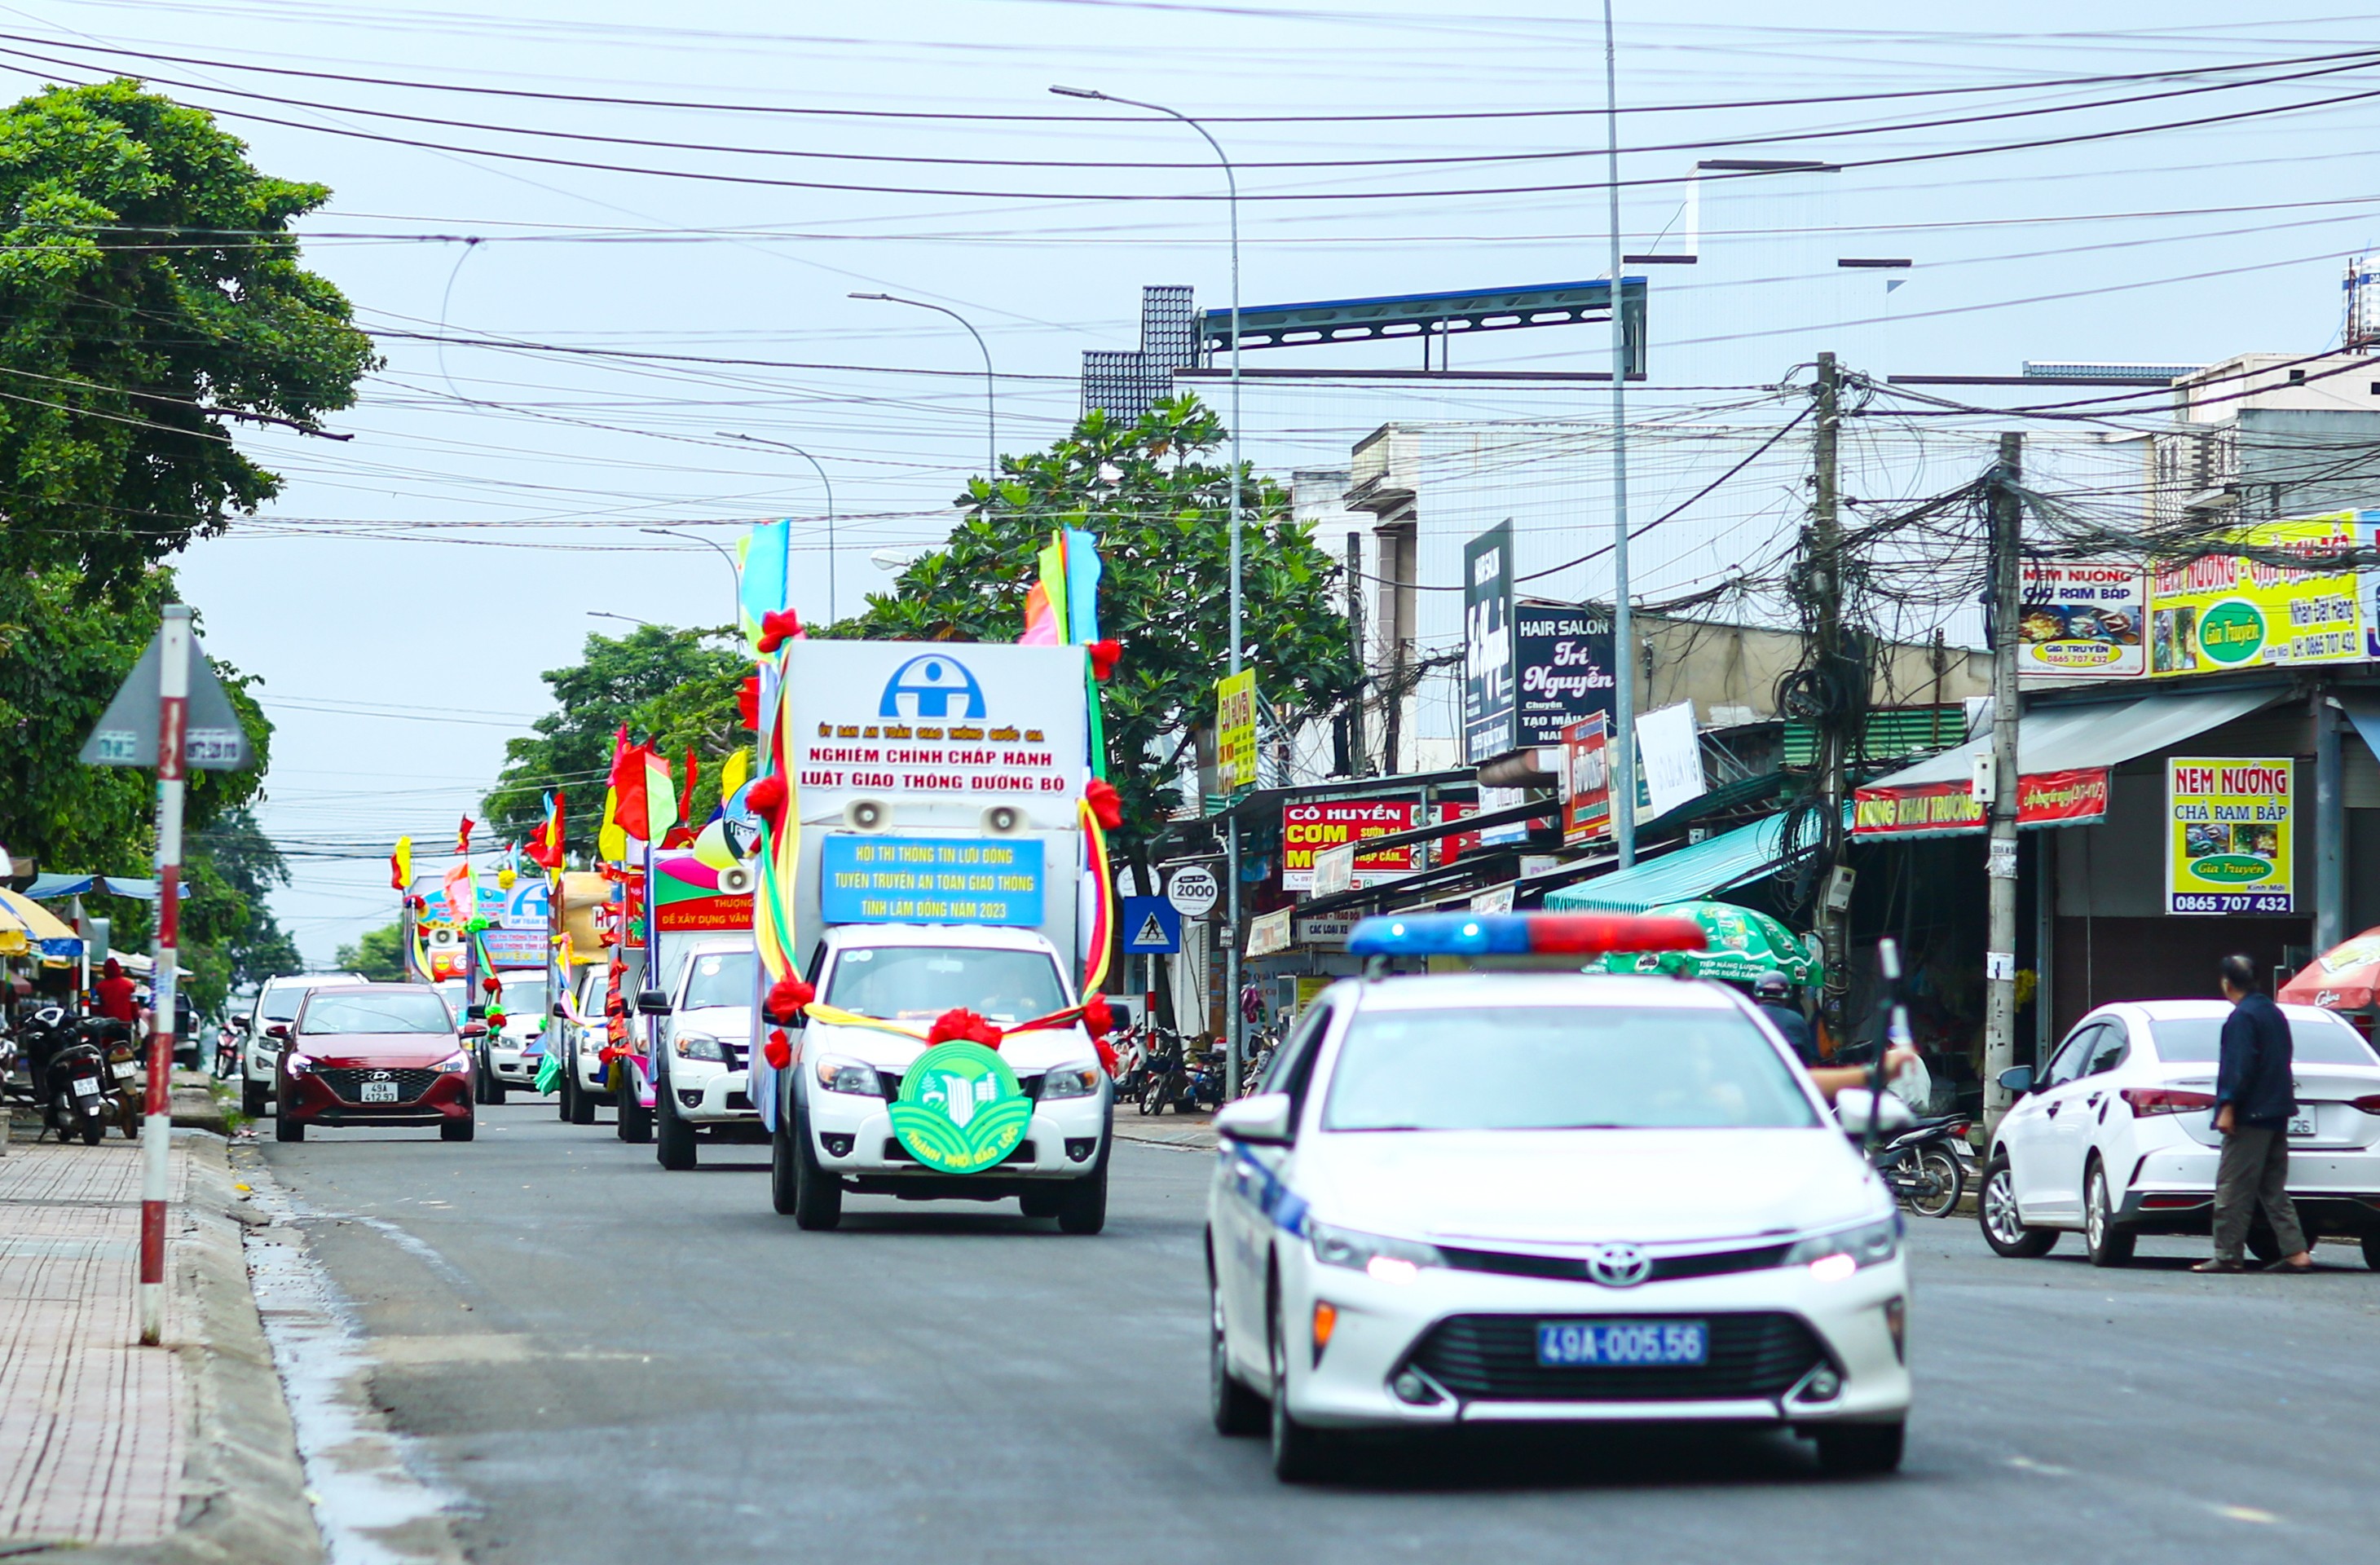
<point>280,1004</point>
<point>2198,1040</point>
<point>383,1011</point>
<point>524,993</point>
<point>1562,1067</point>
<point>906,983</point>
<point>721,978</point>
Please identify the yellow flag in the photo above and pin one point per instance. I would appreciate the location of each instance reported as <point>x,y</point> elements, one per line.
<point>732,775</point>
<point>612,842</point>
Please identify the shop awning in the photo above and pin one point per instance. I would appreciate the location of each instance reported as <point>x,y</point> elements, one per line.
<point>50,888</point>
<point>1695,871</point>
<point>2063,753</point>
<point>53,935</point>
<point>13,938</point>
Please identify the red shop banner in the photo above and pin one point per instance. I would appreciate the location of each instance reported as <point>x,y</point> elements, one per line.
<point>2077,797</point>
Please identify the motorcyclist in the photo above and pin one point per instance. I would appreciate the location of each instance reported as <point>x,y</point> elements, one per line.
<point>1773,994</point>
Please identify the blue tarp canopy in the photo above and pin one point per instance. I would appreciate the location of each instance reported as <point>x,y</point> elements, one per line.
<point>50,888</point>
<point>1696,870</point>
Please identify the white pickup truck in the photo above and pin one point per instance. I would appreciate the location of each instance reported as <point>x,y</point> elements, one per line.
<point>835,1124</point>
<point>700,1081</point>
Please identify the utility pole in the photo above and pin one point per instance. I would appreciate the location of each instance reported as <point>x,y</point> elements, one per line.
<point>1363,664</point>
<point>1826,585</point>
<point>1623,630</point>
<point>2000,956</point>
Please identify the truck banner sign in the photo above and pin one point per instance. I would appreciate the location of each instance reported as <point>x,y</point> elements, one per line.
<point>886,879</point>
<point>2227,839</point>
<point>977,724</point>
<point>2078,798</point>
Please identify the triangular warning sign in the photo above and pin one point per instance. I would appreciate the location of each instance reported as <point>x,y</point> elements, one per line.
<point>1151,932</point>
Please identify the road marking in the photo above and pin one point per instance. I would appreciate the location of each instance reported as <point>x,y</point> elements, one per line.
<point>2246,1513</point>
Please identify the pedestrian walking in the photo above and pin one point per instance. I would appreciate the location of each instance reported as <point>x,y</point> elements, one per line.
<point>2254,1101</point>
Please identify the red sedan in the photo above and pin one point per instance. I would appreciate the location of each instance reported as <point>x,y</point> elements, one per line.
<point>373,1055</point>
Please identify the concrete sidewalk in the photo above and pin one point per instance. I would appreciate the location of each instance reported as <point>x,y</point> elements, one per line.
<point>109,1450</point>
<point>1189,1133</point>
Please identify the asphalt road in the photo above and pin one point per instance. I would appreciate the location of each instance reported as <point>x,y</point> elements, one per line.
<point>613,1363</point>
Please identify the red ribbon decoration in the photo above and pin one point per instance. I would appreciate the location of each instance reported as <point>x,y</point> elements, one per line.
<point>959,1025</point>
<point>1099,1017</point>
<point>787,997</point>
<point>767,797</point>
<point>748,702</point>
<point>1105,655</point>
<point>777,628</point>
<point>779,1051</point>
<point>1106,803</point>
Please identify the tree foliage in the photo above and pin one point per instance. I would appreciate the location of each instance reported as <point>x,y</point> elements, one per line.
<point>1158,506</point>
<point>149,286</point>
<point>674,689</point>
<point>378,954</point>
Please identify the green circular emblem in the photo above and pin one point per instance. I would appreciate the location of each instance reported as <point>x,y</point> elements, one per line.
<point>2231,868</point>
<point>2232,631</point>
<point>959,1109</point>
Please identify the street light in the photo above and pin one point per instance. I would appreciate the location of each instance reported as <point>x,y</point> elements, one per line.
<point>734,571</point>
<point>831,612</point>
<point>991,390</point>
<point>631,619</point>
<point>1232,852</point>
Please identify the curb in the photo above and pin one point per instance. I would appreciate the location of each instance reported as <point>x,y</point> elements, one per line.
<point>244,1498</point>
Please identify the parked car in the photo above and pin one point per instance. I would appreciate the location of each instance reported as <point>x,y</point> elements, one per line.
<point>375,1054</point>
<point>277,1002</point>
<point>2115,1137</point>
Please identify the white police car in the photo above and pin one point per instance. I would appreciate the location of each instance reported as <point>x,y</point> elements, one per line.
<point>1545,1197</point>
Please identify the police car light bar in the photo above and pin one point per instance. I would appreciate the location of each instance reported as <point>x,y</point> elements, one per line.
<point>1520,934</point>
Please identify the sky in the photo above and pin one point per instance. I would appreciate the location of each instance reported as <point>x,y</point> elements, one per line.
<point>607,251</point>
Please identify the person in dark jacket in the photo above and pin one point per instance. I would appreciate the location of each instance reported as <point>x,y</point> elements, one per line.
<point>1773,994</point>
<point>2253,1099</point>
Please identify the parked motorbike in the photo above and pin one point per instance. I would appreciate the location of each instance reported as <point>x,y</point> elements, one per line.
<point>123,1094</point>
<point>1202,1084</point>
<point>1922,1167</point>
<point>71,1076</point>
<point>1162,1077</point>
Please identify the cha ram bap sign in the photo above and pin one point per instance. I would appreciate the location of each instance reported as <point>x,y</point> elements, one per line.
<point>885,880</point>
<point>2232,611</point>
<point>983,725</point>
<point>1939,809</point>
<point>2079,619</point>
<point>2227,839</point>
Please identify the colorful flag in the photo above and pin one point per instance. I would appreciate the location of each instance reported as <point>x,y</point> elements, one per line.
<point>463,835</point>
<point>681,833</point>
<point>462,898</point>
<point>545,843</point>
<point>732,776</point>
<point>400,865</point>
<point>611,841</point>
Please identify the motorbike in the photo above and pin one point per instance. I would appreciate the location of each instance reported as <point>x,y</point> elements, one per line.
<point>1202,1084</point>
<point>1922,1166</point>
<point>1161,1074</point>
<point>123,1092</point>
<point>70,1071</point>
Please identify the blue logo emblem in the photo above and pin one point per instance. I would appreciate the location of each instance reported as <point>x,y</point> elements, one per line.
<point>933,685</point>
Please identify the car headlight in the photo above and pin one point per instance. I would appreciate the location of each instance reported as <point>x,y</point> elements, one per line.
<point>1386,1260</point>
<point>698,1046</point>
<point>1072,1081</point>
<point>848,1076</point>
<point>1843,1252</point>
<point>299,1064</point>
<point>455,1064</point>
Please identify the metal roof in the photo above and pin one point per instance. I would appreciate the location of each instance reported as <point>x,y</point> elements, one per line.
<point>1695,871</point>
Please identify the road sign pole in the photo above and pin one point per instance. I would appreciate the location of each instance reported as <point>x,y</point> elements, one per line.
<point>173,721</point>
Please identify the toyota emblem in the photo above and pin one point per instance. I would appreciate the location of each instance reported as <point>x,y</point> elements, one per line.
<point>1619,1265</point>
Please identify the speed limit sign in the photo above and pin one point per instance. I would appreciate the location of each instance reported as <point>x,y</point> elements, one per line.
<point>1193,891</point>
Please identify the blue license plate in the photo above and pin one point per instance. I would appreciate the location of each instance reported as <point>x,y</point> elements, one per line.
<point>1622,1343</point>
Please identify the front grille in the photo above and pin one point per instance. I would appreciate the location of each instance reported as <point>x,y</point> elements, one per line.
<point>346,1083</point>
<point>1494,1358</point>
<point>896,1153</point>
<point>1571,1268</point>
<point>889,1084</point>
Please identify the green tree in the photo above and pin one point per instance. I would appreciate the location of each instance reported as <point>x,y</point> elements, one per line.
<point>674,689</point>
<point>1158,506</point>
<point>149,290</point>
<point>378,954</point>
<point>254,945</point>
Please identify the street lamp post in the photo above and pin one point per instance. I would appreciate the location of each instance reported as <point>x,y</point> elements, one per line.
<point>1232,849</point>
<point>735,572</point>
<point>1623,632</point>
<point>990,388</point>
<point>832,613</point>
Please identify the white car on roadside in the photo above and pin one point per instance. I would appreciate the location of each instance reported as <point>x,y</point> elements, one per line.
<point>702,1081</point>
<point>1496,1197</point>
<point>259,1052</point>
<point>2115,1136</point>
<point>586,1074</point>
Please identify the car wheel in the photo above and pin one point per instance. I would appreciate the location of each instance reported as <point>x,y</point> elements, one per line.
<point>1300,1455</point>
<point>459,1130</point>
<point>1083,1208</point>
<point>582,1105</point>
<point>93,1130</point>
<point>490,1083</point>
<point>2003,1224</point>
<point>636,1119</point>
<point>1039,1203</point>
<point>253,1099</point>
<point>784,1182</point>
<point>2372,1250</point>
<point>2109,1242</point>
<point>672,1137</point>
<point>1234,1408</point>
<point>1854,1451</point>
<point>1939,1168</point>
<point>562,1096</point>
<point>818,1194</point>
<point>288,1127</point>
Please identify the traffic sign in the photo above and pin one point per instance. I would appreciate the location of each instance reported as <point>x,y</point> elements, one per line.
<point>126,735</point>
<point>1193,890</point>
<point>1151,925</point>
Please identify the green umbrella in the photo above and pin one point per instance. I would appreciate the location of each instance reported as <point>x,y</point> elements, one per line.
<point>1742,945</point>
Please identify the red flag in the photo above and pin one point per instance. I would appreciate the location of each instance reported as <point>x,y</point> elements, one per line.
<point>463,835</point>
<point>545,843</point>
<point>629,787</point>
<point>682,834</point>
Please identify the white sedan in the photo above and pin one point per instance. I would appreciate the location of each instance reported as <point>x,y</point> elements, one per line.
<point>1474,1199</point>
<point>2116,1137</point>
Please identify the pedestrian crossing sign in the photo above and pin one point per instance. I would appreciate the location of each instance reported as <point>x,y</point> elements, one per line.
<point>1151,925</point>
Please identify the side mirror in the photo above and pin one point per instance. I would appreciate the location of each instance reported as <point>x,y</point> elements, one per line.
<point>1263,1119</point>
<point>475,1029</point>
<point>652,1002</point>
<point>277,1030</point>
<point>2017,1079</point>
<point>242,1023</point>
<point>475,1012</point>
<point>555,1009</point>
<point>1856,1109</point>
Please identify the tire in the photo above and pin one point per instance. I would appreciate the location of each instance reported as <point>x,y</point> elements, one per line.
<point>672,1137</point>
<point>459,1130</point>
<point>93,1131</point>
<point>1150,1102</point>
<point>581,1106</point>
<point>1039,1203</point>
<point>784,1180</point>
<point>1950,1181</point>
<point>1860,1450</point>
<point>818,1194</point>
<point>288,1128</point>
<point>1300,1454</point>
<point>2110,1243</point>
<point>1236,1410</point>
<point>253,1099</point>
<point>480,1074</point>
<point>1084,1207</point>
<point>2372,1250</point>
<point>2003,1224</point>
<point>492,1084</point>
<point>636,1119</point>
<point>562,1098</point>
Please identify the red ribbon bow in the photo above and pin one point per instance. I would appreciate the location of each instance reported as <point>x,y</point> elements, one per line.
<point>1099,1017</point>
<point>962,1026</point>
<point>1105,655</point>
<point>780,1050</point>
<point>767,797</point>
<point>779,626</point>
<point>1106,805</point>
<point>786,998</point>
